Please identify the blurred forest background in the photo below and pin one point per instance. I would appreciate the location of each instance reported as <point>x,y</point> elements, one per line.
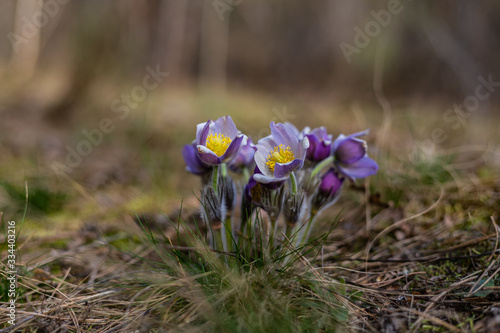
<point>63,63</point>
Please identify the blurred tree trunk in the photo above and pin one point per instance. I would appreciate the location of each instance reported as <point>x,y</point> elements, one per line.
<point>214,46</point>
<point>172,37</point>
<point>25,39</point>
<point>7,10</point>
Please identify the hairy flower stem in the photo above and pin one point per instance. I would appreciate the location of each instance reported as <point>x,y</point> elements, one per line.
<point>227,222</point>
<point>229,235</point>
<point>288,233</point>
<point>243,225</point>
<point>294,183</point>
<point>304,236</point>
<point>215,178</point>
<point>272,233</point>
<point>223,170</point>
<point>246,175</point>
<point>322,165</point>
<point>247,238</point>
<point>218,242</point>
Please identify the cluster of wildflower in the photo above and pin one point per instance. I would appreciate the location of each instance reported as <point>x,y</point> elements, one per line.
<point>290,175</point>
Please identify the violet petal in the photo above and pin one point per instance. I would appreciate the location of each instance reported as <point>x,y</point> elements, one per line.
<point>330,183</point>
<point>283,170</point>
<point>208,156</point>
<point>233,148</point>
<point>285,136</point>
<point>322,151</point>
<point>202,133</point>
<point>313,143</point>
<point>225,126</point>
<point>362,168</point>
<point>193,162</point>
<point>270,182</point>
<point>350,150</point>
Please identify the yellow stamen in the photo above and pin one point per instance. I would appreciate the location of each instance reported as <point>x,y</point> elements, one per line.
<point>218,143</point>
<point>280,154</point>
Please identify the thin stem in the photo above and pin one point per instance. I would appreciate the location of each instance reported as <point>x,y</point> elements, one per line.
<point>227,222</point>
<point>288,232</point>
<point>246,174</point>
<point>321,165</point>
<point>223,170</point>
<point>218,242</point>
<point>248,238</point>
<point>229,234</point>
<point>244,222</point>
<point>215,177</point>
<point>290,237</point>
<point>272,233</point>
<point>294,183</point>
<point>302,239</point>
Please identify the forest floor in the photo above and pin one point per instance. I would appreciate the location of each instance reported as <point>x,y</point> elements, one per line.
<point>415,248</point>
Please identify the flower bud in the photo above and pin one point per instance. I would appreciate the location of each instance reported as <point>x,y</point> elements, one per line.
<point>351,158</point>
<point>328,191</point>
<point>269,199</point>
<point>226,192</point>
<point>211,208</point>
<point>294,207</point>
<point>320,143</point>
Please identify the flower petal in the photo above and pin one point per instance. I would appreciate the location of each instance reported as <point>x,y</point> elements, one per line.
<point>362,168</point>
<point>330,183</point>
<point>320,133</point>
<point>245,157</point>
<point>304,145</point>
<point>226,126</point>
<point>313,144</point>
<point>350,150</point>
<point>234,148</point>
<point>284,135</point>
<point>342,137</point>
<point>284,170</point>
<point>260,158</point>
<point>202,132</point>
<point>322,151</point>
<point>208,156</point>
<point>193,162</point>
<point>264,147</point>
<point>268,143</point>
<point>337,142</point>
<point>269,182</point>
<point>295,131</point>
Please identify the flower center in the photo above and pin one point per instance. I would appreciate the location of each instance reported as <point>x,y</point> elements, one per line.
<point>280,154</point>
<point>218,143</point>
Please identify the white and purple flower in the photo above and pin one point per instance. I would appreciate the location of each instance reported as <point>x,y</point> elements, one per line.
<point>351,158</point>
<point>218,141</point>
<point>279,154</point>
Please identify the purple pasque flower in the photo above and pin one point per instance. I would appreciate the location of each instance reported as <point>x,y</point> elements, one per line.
<point>244,159</point>
<point>351,156</point>
<point>330,183</point>
<point>193,162</point>
<point>218,141</point>
<point>328,191</point>
<point>279,154</point>
<point>320,144</point>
